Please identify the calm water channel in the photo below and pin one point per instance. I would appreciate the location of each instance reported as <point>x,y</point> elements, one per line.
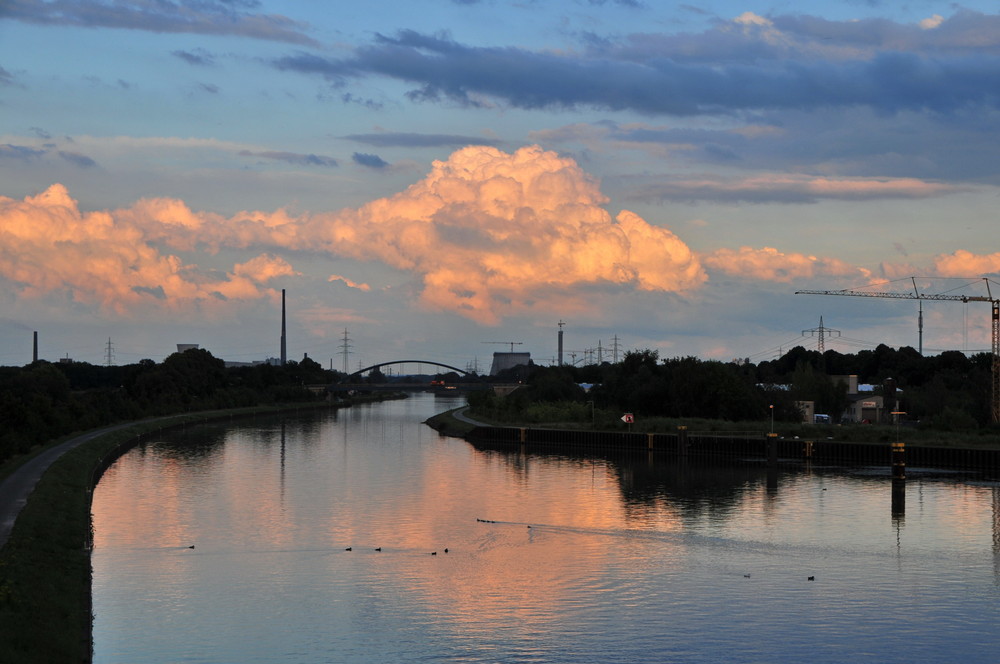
<point>549,558</point>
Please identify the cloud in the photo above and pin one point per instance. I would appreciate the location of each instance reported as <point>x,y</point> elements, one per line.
<point>198,57</point>
<point>205,17</point>
<point>369,160</point>
<point>77,159</point>
<point>293,158</point>
<point>19,152</point>
<point>487,234</point>
<point>387,139</point>
<point>769,264</point>
<point>47,245</point>
<point>751,63</point>
<point>264,268</point>
<point>6,78</point>
<point>790,189</point>
<point>964,263</point>
<point>932,22</point>
<point>349,283</point>
<point>835,143</point>
<point>491,233</point>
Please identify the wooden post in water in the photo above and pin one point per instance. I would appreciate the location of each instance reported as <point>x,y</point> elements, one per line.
<point>682,440</point>
<point>807,450</point>
<point>649,441</point>
<point>898,497</point>
<point>898,461</point>
<point>772,449</point>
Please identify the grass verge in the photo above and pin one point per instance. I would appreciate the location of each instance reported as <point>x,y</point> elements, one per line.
<point>448,425</point>
<point>573,417</point>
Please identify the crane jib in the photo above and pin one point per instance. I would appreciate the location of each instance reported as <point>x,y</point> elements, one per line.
<point>916,295</point>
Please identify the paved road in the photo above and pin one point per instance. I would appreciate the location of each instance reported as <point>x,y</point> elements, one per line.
<point>459,414</point>
<point>16,488</point>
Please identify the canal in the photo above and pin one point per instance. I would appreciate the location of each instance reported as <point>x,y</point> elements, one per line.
<point>363,536</point>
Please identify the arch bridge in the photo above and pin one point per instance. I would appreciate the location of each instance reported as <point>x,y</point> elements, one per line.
<point>391,362</point>
<point>355,381</point>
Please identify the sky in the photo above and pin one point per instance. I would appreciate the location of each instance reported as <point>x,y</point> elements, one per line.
<point>447,179</point>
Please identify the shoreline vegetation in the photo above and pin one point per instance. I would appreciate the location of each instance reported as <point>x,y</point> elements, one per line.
<point>449,423</point>
<point>940,401</point>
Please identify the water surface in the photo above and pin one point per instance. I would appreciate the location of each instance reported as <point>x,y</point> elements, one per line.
<point>550,558</point>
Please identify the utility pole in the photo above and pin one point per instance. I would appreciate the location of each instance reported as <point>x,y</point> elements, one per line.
<point>820,332</point>
<point>109,357</point>
<point>345,349</point>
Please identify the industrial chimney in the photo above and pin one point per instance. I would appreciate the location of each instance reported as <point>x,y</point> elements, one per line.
<point>561,343</point>
<point>284,349</point>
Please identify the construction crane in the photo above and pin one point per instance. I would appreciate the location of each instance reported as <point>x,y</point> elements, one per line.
<point>915,294</point>
<point>512,343</point>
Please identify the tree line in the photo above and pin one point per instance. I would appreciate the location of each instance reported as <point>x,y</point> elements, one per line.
<point>43,400</point>
<point>950,391</point>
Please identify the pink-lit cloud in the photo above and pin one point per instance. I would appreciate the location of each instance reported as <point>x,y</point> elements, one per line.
<point>792,188</point>
<point>769,264</point>
<point>489,231</point>
<point>349,283</point>
<point>485,234</point>
<point>48,245</point>
<point>964,263</point>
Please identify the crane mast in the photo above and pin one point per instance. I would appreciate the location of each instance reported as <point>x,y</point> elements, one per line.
<point>917,295</point>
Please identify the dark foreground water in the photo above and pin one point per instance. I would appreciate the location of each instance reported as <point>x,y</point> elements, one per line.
<point>538,558</point>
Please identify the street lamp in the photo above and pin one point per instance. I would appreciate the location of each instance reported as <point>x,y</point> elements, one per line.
<point>772,417</point>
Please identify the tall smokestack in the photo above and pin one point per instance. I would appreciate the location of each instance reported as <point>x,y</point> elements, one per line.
<point>560,342</point>
<point>284,349</point>
<point>34,352</point>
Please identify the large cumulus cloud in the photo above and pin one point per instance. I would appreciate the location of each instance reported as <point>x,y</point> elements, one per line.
<point>485,234</point>
<point>47,244</point>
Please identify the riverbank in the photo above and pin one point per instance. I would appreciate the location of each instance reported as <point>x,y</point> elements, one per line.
<point>45,606</point>
<point>719,440</point>
<point>458,422</point>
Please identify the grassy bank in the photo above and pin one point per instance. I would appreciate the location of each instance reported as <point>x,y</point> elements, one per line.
<point>448,425</point>
<point>45,572</point>
<point>577,416</point>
